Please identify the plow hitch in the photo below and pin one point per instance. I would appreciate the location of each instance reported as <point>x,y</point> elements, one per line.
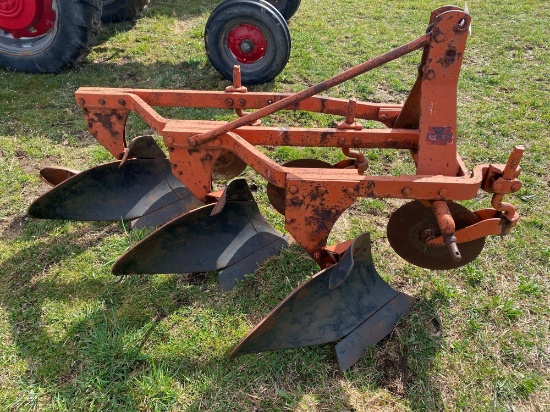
<point>200,229</point>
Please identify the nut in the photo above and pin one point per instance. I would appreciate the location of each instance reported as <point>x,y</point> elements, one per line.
<point>293,189</point>
<point>321,190</point>
<point>406,191</point>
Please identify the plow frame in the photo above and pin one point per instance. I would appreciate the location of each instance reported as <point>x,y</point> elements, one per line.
<point>425,124</point>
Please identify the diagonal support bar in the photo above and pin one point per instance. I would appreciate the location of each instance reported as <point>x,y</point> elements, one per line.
<point>313,90</point>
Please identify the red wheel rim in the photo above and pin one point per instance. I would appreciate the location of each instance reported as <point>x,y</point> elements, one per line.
<point>27,18</point>
<point>247,43</point>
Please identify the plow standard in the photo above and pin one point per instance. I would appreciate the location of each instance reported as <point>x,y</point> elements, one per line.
<point>202,230</point>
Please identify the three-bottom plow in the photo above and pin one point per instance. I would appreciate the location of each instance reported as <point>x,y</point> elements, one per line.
<point>203,230</point>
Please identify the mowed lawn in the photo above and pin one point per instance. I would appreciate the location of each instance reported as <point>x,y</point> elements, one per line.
<point>73,337</point>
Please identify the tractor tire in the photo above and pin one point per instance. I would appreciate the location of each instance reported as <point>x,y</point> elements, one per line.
<point>121,10</point>
<point>287,8</point>
<point>67,43</point>
<point>249,33</point>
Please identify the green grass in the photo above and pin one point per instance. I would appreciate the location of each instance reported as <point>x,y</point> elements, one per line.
<point>73,337</point>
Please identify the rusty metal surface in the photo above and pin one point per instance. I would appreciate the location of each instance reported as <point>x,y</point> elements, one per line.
<point>235,237</point>
<point>412,225</point>
<point>314,313</point>
<point>54,175</point>
<point>277,195</point>
<point>315,198</point>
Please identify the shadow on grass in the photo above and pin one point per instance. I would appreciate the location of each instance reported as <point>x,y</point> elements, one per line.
<point>88,342</point>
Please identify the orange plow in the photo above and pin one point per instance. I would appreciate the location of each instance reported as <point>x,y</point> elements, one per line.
<point>347,301</point>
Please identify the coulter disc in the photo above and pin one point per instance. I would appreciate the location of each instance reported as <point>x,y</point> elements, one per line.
<point>411,224</point>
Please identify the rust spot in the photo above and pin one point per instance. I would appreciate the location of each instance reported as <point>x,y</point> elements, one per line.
<point>285,137</point>
<point>325,136</point>
<point>296,201</point>
<point>323,105</point>
<point>450,57</point>
<point>369,186</point>
<point>106,122</point>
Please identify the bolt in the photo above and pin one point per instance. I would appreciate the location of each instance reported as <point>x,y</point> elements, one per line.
<point>430,74</point>
<point>439,37</point>
<point>356,141</point>
<point>515,187</point>
<point>333,211</point>
<point>242,102</point>
<point>229,102</point>
<point>321,190</point>
<point>288,221</point>
<point>406,191</point>
<point>169,139</point>
<point>384,117</point>
<point>122,102</point>
<point>246,46</point>
<point>341,141</point>
<point>317,255</point>
<point>208,157</point>
<point>443,192</point>
<point>101,101</point>
<point>81,101</point>
<point>192,141</point>
<point>293,189</point>
<point>350,191</point>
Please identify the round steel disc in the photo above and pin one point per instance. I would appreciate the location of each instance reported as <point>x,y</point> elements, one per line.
<point>228,166</point>
<point>409,226</point>
<point>277,195</point>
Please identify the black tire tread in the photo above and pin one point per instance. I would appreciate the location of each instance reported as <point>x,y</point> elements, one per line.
<point>122,10</point>
<point>236,9</point>
<point>73,42</point>
<point>288,8</point>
